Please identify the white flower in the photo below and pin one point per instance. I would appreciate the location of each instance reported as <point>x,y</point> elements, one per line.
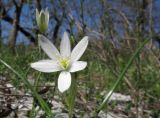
<point>64,61</point>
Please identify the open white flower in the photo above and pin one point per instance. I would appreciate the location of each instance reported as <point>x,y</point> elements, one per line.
<point>64,61</point>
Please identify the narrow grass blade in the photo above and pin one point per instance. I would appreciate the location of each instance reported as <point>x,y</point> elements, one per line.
<point>122,74</point>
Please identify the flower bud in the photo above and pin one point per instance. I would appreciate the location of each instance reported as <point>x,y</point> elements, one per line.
<point>42,18</point>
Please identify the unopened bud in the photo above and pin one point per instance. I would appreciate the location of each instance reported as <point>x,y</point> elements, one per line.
<point>42,18</point>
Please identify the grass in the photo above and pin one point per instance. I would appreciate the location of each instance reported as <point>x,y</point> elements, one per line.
<point>100,75</point>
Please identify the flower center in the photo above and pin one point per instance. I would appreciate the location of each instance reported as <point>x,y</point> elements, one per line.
<point>64,63</point>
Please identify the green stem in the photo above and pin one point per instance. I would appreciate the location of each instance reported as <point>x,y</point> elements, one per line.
<point>122,74</point>
<point>42,103</point>
<point>72,95</point>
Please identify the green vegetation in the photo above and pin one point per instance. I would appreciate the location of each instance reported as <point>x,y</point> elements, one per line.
<point>141,81</point>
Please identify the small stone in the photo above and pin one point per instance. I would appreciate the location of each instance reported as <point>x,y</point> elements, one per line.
<point>120,97</point>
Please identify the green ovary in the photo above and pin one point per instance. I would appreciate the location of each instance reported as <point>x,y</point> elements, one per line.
<point>65,63</point>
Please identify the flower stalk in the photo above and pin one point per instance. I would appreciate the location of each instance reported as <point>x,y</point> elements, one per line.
<point>72,95</point>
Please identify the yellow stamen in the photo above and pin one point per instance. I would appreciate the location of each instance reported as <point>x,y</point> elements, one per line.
<point>65,63</point>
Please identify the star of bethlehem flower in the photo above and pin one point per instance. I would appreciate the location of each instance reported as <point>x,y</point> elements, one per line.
<point>64,61</point>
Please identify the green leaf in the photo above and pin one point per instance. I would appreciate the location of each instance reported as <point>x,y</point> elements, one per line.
<point>42,103</point>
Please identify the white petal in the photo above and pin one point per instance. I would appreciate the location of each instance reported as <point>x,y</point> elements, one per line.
<point>79,49</point>
<point>46,16</point>
<point>64,81</point>
<point>77,66</point>
<point>46,66</point>
<point>41,12</point>
<point>48,47</point>
<point>65,47</point>
<point>37,16</point>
